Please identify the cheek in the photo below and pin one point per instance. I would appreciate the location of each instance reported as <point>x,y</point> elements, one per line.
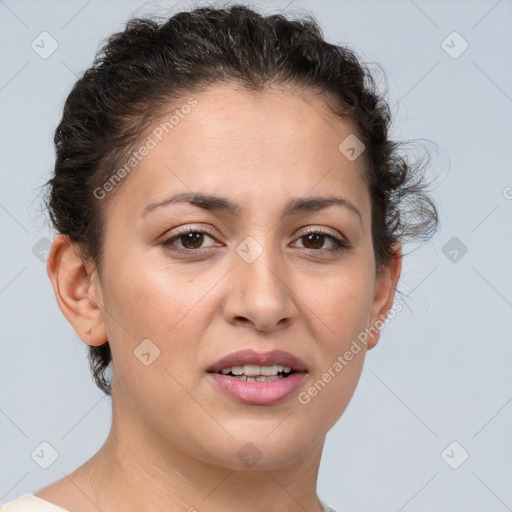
<point>343,309</point>
<point>341,303</point>
<point>331,390</point>
<point>335,378</point>
<point>165,303</point>
<point>153,297</point>
<point>153,302</point>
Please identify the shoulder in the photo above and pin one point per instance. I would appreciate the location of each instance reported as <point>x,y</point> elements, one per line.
<point>329,509</point>
<point>30,503</point>
<point>325,507</point>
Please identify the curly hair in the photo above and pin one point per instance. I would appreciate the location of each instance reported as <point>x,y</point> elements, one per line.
<point>139,71</point>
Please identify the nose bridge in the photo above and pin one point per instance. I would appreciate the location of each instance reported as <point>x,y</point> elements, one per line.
<point>260,292</point>
<point>262,265</point>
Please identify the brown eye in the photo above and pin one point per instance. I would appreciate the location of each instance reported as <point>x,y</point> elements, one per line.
<point>315,240</point>
<point>191,241</point>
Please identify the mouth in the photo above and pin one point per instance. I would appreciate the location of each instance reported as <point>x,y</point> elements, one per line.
<point>256,373</point>
<point>258,378</point>
<point>256,361</point>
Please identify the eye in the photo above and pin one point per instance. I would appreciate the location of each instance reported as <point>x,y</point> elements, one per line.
<point>191,240</point>
<point>315,239</point>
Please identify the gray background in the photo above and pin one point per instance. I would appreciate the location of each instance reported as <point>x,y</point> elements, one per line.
<point>441,372</point>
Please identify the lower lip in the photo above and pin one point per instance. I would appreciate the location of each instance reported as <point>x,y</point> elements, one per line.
<point>258,393</point>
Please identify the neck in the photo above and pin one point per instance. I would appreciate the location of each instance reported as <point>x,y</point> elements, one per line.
<point>137,470</point>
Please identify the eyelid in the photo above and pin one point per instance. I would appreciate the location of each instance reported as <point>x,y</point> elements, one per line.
<point>340,240</point>
<point>304,231</point>
<point>323,230</point>
<point>170,238</point>
<point>187,228</point>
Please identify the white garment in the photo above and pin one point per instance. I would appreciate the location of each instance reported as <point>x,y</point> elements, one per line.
<point>31,503</point>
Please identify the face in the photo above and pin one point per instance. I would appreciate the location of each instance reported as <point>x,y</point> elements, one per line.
<point>261,268</point>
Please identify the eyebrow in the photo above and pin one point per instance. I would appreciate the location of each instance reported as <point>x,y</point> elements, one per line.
<point>223,204</point>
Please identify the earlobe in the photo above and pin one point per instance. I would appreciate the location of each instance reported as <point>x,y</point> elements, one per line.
<point>385,287</point>
<point>77,290</point>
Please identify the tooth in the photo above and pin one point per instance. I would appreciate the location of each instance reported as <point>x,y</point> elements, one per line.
<point>260,378</point>
<point>250,369</point>
<point>255,370</point>
<point>268,370</point>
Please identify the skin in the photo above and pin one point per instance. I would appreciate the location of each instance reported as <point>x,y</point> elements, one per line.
<point>174,438</point>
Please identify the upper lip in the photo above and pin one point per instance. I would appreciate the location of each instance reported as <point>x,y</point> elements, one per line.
<point>252,357</point>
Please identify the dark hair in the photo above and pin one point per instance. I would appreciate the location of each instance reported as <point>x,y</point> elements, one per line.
<point>154,61</point>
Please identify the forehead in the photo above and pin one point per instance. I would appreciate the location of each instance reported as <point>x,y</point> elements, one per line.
<point>235,119</point>
<point>264,144</point>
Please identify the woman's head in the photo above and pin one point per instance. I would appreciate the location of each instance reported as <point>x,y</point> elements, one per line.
<point>265,132</point>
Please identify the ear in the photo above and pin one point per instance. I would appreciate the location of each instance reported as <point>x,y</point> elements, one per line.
<point>78,291</point>
<point>385,287</point>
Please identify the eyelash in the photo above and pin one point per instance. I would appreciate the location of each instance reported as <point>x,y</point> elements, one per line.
<point>339,244</point>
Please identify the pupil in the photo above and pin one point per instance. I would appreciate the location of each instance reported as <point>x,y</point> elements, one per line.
<point>315,240</point>
<point>193,238</point>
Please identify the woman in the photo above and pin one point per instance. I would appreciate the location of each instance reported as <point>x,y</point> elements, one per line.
<point>230,220</point>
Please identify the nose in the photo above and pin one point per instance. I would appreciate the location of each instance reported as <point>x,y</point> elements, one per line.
<point>260,294</point>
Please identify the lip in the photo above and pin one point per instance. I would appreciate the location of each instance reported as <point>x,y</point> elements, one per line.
<point>274,357</point>
<point>258,393</point>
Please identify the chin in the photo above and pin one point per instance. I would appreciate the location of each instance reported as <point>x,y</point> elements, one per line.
<point>256,448</point>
